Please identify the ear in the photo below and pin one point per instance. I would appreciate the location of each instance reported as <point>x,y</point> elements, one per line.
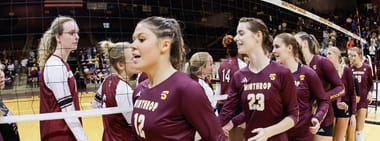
<point>57,38</point>
<point>120,66</point>
<point>258,35</point>
<point>165,45</point>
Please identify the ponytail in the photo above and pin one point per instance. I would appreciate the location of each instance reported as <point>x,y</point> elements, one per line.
<point>315,47</point>
<point>46,47</point>
<point>48,43</point>
<point>197,61</point>
<point>106,46</point>
<point>312,42</point>
<point>114,53</point>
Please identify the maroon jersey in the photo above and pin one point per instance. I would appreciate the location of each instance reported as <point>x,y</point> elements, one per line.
<point>349,85</point>
<point>309,89</point>
<point>49,103</point>
<point>267,97</point>
<point>173,110</point>
<point>141,77</point>
<point>226,70</point>
<point>331,83</point>
<point>114,92</point>
<point>364,76</point>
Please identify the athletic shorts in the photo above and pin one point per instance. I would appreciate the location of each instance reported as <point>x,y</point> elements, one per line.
<point>341,113</point>
<point>326,131</point>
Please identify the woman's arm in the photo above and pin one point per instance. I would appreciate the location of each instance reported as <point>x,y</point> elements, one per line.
<point>123,99</point>
<point>318,92</point>
<point>58,83</point>
<point>200,115</point>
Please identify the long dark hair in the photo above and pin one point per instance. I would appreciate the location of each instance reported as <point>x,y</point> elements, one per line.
<point>289,39</point>
<point>312,42</point>
<point>256,25</point>
<point>168,27</point>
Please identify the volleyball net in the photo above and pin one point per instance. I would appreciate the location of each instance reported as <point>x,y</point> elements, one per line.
<point>204,23</point>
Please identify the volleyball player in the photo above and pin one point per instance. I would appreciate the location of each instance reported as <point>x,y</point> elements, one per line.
<point>58,91</point>
<point>169,105</point>
<point>226,70</point>
<point>115,91</point>
<point>327,73</point>
<point>265,89</point>
<point>8,131</point>
<point>344,110</point>
<point>200,68</point>
<point>309,87</point>
<point>363,73</point>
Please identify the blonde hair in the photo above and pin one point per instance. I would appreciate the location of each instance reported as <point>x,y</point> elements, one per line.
<point>357,50</point>
<point>114,53</point>
<point>198,60</point>
<point>312,42</point>
<point>48,43</point>
<point>337,52</point>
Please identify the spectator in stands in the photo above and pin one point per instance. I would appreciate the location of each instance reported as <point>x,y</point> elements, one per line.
<point>350,43</point>
<point>24,65</point>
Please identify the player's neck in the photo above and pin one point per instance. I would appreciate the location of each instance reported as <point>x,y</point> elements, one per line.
<point>336,64</point>
<point>62,53</point>
<point>160,74</point>
<point>358,65</point>
<point>308,57</point>
<point>258,62</point>
<point>292,64</point>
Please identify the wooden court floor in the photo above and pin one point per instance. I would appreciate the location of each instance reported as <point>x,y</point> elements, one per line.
<point>29,131</point>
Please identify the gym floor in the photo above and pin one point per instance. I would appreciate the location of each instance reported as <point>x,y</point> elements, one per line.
<point>29,131</point>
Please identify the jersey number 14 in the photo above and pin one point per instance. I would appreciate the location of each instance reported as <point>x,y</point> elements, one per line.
<point>226,75</point>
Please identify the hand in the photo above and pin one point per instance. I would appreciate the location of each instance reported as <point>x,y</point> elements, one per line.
<point>260,136</point>
<point>243,125</point>
<point>2,80</point>
<point>369,97</point>
<point>357,99</point>
<point>226,128</point>
<point>227,40</point>
<point>353,121</point>
<point>342,106</point>
<point>315,125</point>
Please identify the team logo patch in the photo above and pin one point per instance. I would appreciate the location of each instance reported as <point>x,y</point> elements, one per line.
<point>164,95</point>
<point>302,77</point>
<point>315,67</point>
<point>272,76</point>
